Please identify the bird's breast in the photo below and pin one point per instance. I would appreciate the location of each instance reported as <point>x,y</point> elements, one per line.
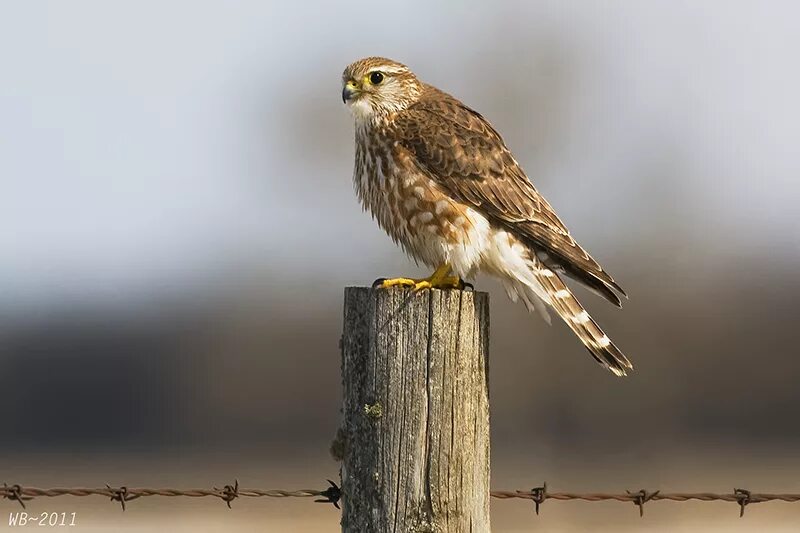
<point>408,204</point>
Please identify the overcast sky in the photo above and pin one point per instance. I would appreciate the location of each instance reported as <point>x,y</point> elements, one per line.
<point>144,144</point>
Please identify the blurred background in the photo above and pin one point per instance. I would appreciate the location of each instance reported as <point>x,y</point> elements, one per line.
<point>177,224</point>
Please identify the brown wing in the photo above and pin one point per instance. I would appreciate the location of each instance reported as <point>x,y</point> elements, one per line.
<point>461,151</point>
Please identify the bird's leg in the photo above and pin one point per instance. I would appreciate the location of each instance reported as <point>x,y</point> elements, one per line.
<point>440,279</point>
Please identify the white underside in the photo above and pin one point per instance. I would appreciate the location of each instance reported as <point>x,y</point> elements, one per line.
<point>493,251</point>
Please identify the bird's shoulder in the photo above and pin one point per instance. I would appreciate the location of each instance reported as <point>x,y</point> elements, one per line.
<point>452,140</point>
<point>459,148</point>
<point>441,113</point>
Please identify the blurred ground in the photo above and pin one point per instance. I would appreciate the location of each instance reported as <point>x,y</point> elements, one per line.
<point>177,224</point>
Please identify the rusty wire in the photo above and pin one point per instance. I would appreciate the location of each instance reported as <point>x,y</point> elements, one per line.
<point>125,494</point>
<point>742,497</point>
<point>332,494</point>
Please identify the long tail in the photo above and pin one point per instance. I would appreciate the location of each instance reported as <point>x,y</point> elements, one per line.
<point>541,284</point>
<point>577,318</point>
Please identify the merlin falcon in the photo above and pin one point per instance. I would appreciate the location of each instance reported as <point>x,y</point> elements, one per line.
<point>439,179</point>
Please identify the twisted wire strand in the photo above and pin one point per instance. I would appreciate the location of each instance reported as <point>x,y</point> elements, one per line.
<point>333,494</point>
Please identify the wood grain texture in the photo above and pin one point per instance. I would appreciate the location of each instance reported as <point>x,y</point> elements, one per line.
<point>415,424</point>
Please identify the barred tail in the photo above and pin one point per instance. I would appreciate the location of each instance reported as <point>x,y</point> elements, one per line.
<point>577,318</point>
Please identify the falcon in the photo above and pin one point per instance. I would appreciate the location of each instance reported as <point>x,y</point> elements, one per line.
<point>439,179</point>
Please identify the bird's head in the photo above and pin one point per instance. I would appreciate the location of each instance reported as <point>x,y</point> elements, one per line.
<point>375,87</point>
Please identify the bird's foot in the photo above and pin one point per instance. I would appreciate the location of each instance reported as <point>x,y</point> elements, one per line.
<point>441,279</point>
<point>418,284</point>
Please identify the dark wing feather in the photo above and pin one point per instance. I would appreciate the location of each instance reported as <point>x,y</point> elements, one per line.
<point>458,148</point>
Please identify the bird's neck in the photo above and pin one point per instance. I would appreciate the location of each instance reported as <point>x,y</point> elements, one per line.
<point>372,122</point>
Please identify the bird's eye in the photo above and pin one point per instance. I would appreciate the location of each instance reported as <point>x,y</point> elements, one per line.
<point>376,78</point>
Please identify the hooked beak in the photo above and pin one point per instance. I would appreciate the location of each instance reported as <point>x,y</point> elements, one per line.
<point>349,91</point>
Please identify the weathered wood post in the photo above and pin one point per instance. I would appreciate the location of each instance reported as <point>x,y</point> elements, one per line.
<point>415,433</point>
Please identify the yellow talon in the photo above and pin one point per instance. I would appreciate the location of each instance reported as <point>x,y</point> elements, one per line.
<point>438,280</point>
<point>398,282</point>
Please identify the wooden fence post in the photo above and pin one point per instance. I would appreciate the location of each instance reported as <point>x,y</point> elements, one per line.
<point>415,430</point>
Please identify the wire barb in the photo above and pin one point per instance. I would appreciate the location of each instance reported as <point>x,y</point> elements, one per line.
<point>331,495</point>
<point>229,492</point>
<point>642,497</point>
<point>743,497</point>
<point>539,495</point>
<point>121,495</point>
<point>15,492</point>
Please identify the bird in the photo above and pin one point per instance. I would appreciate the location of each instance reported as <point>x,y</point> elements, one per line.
<point>440,180</point>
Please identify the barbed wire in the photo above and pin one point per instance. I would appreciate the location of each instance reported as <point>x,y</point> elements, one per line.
<point>742,497</point>
<point>123,494</point>
<point>332,494</point>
